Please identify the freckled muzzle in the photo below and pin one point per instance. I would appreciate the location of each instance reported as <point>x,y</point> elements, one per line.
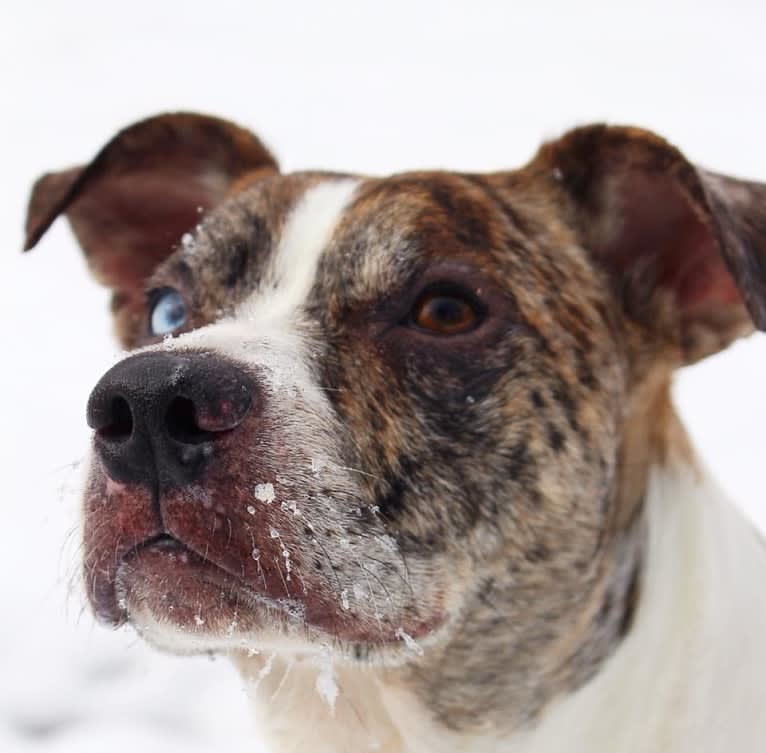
<point>208,520</point>
<point>172,516</point>
<point>158,416</point>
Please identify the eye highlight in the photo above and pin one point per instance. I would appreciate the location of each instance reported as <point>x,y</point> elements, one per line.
<point>167,311</point>
<point>446,310</point>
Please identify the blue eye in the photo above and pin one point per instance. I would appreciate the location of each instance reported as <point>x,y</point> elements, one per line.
<point>168,312</point>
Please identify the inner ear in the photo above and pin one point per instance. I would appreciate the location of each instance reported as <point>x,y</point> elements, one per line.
<point>657,235</point>
<point>153,182</point>
<point>686,257</point>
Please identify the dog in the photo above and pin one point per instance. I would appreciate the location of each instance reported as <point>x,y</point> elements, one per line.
<point>404,449</point>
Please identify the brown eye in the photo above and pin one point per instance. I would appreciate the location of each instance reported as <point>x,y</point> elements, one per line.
<point>446,312</point>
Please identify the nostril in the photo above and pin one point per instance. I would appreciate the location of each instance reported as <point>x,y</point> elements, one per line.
<point>181,422</point>
<point>120,421</point>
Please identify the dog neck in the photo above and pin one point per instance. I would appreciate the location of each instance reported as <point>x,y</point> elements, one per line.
<point>688,625</point>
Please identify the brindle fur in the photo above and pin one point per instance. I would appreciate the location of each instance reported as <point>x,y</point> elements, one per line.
<point>508,466</point>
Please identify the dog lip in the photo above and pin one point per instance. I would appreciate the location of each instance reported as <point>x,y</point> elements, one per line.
<point>165,554</point>
<point>160,541</point>
<point>111,602</point>
<point>109,606</point>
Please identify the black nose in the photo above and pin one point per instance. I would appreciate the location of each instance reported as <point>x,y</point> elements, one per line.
<point>157,415</point>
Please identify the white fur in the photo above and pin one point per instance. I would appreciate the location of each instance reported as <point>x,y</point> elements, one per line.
<point>270,312</point>
<point>292,272</point>
<point>264,330</point>
<point>687,679</point>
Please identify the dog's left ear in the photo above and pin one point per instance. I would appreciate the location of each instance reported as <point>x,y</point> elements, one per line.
<point>685,248</point>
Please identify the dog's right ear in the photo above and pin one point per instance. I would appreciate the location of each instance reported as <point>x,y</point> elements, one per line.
<point>148,186</point>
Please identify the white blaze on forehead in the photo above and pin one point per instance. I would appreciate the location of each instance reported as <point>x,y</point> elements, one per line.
<point>292,270</point>
<point>261,332</point>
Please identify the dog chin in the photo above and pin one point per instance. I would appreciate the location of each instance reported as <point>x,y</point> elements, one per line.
<point>181,603</point>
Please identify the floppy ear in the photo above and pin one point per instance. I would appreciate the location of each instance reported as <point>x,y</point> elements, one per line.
<point>685,248</point>
<point>149,185</point>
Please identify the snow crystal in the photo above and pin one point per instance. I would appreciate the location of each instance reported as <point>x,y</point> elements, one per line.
<point>290,505</point>
<point>317,464</point>
<point>326,685</point>
<point>359,592</point>
<point>409,641</point>
<point>199,620</point>
<point>265,493</point>
<point>251,509</point>
<point>256,554</point>
<point>286,555</point>
<point>344,599</point>
<point>283,680</point>
<point>273,533</point>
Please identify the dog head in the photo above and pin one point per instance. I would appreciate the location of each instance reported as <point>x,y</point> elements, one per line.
<point>392,416</point>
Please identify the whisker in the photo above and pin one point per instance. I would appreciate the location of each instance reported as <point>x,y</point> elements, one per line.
<point>289,666</point>
<point>393,569</point>
<point>284,582</point>
<point>382,584</point>
<point>332,564</point>
<point>374,600</point>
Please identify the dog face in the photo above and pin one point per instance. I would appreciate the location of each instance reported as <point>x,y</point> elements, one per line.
<point>408,418</point>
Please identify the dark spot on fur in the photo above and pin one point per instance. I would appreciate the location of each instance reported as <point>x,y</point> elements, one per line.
<point>520,461</point>
<point>538,553</point>
<point>537,399</point>
<point>561,394</point>
<point>391,503</point>
<point>377,422</point>
<point>585,373</point>
<point>187,275</point>
<point>555,438</point>
<point>239,256</point>
<point>481,386</point>
<point>467,217</point>
<point>410,543</point>
<point>486,587</point>
<point>500,202</point>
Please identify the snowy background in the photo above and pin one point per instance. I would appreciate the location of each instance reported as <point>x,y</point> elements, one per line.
<point>347,86</point>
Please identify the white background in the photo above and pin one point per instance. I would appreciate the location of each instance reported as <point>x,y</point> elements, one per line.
<point>347,86</point>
